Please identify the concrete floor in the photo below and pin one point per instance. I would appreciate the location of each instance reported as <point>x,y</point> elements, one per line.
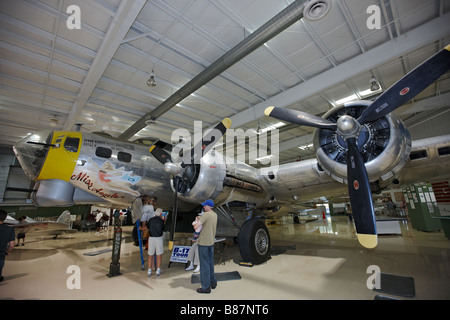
<point>320,260</point>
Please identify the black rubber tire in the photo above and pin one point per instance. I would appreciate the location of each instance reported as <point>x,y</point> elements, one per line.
<point>254,241</point>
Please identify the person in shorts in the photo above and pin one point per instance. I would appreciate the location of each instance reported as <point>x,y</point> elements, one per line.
<point>155,242</point>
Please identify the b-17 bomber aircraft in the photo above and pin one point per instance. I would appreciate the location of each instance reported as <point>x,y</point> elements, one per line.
<point>361,144</point>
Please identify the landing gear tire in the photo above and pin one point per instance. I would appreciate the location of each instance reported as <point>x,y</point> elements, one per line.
<point>254,241</point>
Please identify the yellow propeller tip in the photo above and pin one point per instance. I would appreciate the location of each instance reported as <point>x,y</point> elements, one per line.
<point>268,111</point>
<point>227,123</point>
<point>368,241</point>
<point>447,48</point>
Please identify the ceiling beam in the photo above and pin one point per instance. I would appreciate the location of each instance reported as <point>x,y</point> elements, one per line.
<point>428,104</point>
<point>270,29</point>
<point>414,39</point>
<point>125,16</point>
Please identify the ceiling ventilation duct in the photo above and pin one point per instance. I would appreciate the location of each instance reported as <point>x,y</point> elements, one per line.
<point>316,9</point>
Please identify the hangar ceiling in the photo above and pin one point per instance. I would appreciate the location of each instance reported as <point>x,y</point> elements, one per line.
<point>54,76</point>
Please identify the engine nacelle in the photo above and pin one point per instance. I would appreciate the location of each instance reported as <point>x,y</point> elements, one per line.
<point>385,145</point>
<point>203,181</point>
<point>219,178</point>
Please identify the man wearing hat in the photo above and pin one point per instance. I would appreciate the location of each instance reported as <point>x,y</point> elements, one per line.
<point>206,247</point>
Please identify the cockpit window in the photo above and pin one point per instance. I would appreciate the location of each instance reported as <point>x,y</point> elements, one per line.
<point>71,144</point>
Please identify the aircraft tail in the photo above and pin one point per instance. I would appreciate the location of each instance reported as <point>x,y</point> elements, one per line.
<point>64,218</point>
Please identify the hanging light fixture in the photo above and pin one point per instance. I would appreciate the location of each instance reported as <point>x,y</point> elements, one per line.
<point>374,86</point>
<point>151,81</point>
<point>54,121</point>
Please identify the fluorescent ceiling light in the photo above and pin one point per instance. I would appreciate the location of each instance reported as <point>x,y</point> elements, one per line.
<point>365,92</point>
<point>361,95</point>
<point>346,99</point>
<point>273,126</point>
<point>369,92</point>
<point>306,146</point>
<point>265,157</point>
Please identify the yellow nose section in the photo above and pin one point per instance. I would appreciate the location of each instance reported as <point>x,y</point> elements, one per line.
<point>62,156</point>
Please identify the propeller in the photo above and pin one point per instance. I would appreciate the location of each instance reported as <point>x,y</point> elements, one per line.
<point>409,86</point>
<point>349,129</point>
<point>186,169</point>
<point>157,150</point>
<point>301,118</point>
<point>207,142</point>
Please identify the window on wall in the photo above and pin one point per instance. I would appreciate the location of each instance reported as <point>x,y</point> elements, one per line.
<point>103,152</point>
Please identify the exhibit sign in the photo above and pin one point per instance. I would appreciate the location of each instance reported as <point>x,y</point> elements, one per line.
<point>180,254</point>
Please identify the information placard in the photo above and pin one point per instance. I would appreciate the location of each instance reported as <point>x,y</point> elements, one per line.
<point>179,254</point>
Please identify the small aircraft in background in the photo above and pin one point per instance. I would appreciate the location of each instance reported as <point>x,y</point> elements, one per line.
<point>362,142</point>
<point>55,228</point>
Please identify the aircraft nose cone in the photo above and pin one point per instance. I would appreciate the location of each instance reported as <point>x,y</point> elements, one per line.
<point>31,152</point>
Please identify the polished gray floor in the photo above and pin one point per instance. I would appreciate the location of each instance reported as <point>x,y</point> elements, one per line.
<point>315,260</point>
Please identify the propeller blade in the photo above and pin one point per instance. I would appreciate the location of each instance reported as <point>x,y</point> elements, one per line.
<point>409,86</point>
<point>203,146</point>
<point>298,117</point>
<point>360,197</point>
<point>159,153</point>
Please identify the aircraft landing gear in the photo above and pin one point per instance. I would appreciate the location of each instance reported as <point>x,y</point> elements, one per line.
<point>254,241</point>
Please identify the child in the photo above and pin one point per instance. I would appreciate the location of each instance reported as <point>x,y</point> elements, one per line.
<point>193,253</point>
<point>198,227</point>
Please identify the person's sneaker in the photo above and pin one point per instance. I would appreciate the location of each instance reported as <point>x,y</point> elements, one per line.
<point>213,285</point>
<point>158,272</point>
<point>200,290</point>
<point>149,272</point>
<point>191,267</point>
<point>197,270</point>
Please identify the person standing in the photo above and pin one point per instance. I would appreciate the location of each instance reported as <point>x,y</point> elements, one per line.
<point>206,247</point>
<point>21,235</point>
<point>155,242</point>
<point>148,211</point>
<point>7,240</point>
<point>98,223</point>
